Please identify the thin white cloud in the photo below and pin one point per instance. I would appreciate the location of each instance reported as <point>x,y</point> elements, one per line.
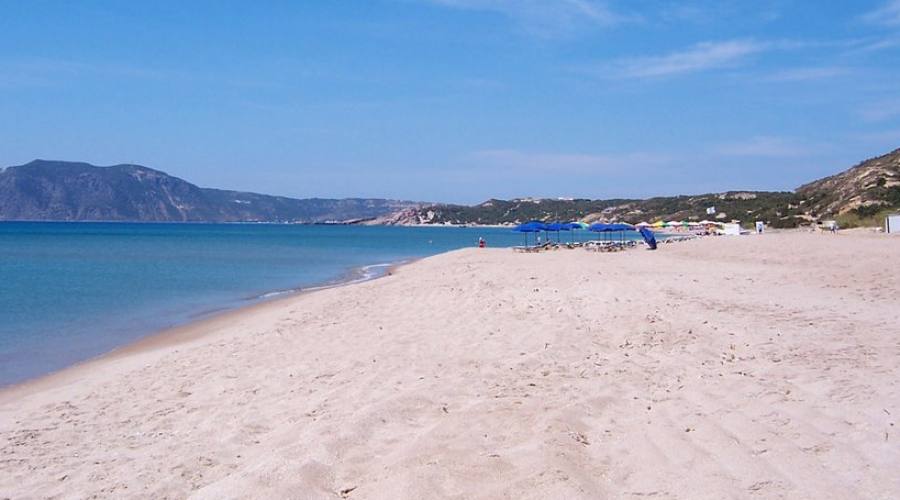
<point>891,137</point>
<point>74,68</point>
<point>41,72</point>
<point>886,15</point>
<point>699,57</point>
<point>765,147</point>
<point>706,56</point>
<point>545,18</point>
<point>806,74</point>
<point>876,45</point>
<point>10,80</point>
<point>47,72</point>
<point>685,13</point>
<point>881,111</point>
<point>564,163</point>
<point>479,83</point>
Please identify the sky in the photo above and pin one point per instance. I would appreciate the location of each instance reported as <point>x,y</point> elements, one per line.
<point>455,100</point>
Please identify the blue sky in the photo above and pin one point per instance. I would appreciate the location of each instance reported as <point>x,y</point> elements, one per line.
<point>455,100</point>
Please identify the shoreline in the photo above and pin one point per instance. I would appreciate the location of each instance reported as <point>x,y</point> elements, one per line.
<point>182,331</point>
<point>196,326</point>
<point>719,367</point>
<point>110,312</point>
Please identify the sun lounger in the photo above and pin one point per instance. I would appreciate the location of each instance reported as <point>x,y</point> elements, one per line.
<point>549,245</point>
<point>598,246</point>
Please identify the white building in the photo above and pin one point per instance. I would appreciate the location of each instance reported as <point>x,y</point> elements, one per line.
<point>892,223</point>
<point>731,229</point>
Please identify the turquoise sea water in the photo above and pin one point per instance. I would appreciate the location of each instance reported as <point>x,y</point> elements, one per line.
<point>72,291</point>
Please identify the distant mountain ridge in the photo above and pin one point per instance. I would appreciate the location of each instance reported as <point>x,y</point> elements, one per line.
<point>74,191</point>
<point>858,196</point>
<point>71,191</point>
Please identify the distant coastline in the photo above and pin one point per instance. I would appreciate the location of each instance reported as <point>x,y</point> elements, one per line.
<point>860,196</point>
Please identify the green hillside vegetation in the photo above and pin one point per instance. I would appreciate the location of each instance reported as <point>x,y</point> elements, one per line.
<point>778,209</point>
<point>504,211</point>
<point>859,196</point>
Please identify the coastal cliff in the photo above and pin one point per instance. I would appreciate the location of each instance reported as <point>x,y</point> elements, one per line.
<point>71,191</point>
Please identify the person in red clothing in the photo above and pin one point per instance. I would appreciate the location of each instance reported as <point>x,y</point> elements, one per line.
<point>481,243</point>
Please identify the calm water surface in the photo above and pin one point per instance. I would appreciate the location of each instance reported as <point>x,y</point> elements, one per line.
<point>72,291</point>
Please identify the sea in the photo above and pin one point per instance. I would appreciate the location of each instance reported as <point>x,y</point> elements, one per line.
<point>73,291</point>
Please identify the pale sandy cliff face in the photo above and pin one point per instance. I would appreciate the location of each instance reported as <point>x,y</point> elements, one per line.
<point>864,184</point>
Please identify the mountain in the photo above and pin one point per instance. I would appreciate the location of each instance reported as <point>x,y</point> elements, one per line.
<point>54,190</point>
<point>857,196</point>
<point>70,191</point>
<point>865,188</point>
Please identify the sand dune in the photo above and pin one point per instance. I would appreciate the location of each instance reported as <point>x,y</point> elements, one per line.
<point>725,368</point>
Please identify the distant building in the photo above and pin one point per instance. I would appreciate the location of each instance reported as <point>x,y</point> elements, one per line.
<point>892,223</point>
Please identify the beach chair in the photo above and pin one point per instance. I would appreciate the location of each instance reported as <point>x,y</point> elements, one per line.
<point>592,246</point>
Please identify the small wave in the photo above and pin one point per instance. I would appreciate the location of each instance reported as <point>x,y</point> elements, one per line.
<point>356,275</point>
<point>375,270</point>
<point>269,295</point>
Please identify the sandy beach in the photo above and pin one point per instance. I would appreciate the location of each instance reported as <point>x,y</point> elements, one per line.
<point>748,367</point>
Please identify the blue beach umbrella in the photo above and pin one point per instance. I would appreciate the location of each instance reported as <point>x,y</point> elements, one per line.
<point>556,226</point>
<point>649,238</point>
<point>609,228</point>
<point>530,227</point>
<point>573,226</point>
<point>599,227</point>
<point>622,228</point>
<point>577,226</point>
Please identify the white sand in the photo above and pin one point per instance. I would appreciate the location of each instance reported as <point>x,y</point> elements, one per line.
<point>725,368</point>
